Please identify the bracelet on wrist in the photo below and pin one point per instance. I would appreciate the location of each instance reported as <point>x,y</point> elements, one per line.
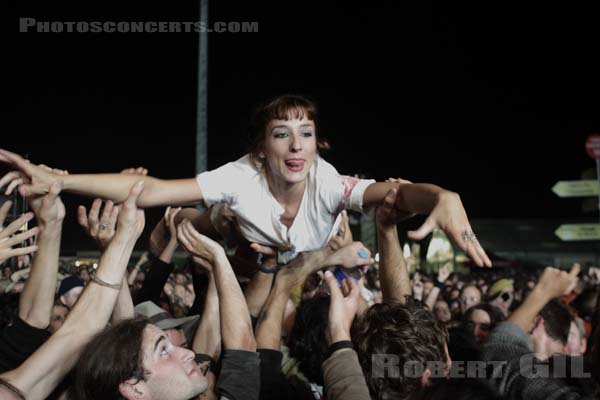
<point>101,282</point>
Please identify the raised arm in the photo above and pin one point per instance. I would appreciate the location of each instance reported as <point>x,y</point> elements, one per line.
<point>268,328</point>
<point>342,374</point>
<point>35,303</point>
<point>207,339</point>
<point>445,211</point>
<point>101,227</point>
<point>32,179</point>
<point>236,326</point>
<point>259,287</point>
<point>553,283</point>
<point>394,278</point>
<point>40,373</point>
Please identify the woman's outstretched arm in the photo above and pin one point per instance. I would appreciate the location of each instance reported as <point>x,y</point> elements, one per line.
<point>444,207</point>
<point>32,179</point>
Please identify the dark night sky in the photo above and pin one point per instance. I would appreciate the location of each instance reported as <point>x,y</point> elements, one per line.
<point>491,100</point>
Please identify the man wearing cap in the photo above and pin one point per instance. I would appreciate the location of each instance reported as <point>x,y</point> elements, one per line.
<point>501,295</point>
<point>69,291</point>
<point>180,331</point>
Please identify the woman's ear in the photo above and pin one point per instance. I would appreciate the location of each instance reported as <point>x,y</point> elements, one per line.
<point>131,389</point>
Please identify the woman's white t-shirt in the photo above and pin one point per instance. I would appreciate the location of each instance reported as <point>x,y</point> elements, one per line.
<point>244,188</point>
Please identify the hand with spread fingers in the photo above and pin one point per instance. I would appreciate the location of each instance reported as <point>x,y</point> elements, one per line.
<point>164,233</point>
<point>204,249</point>
<point>99,226</point>
<point>8,238</point>
<point>450,216</point>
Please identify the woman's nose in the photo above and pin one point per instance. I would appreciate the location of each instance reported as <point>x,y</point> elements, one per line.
<point>296,145</point>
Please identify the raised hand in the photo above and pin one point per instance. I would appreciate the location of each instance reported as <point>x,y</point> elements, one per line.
<point>344,234</point>
<point>7,239</point>
<point>555,282</point>
<point>204,249</point>
<point>342,308</point>
<point>101,229</point>
<point>387,216</point>
<point>4,210</point>
<point>444,272</point>
<point>164,232</point>
<point>48,208</point>
<point>417,287</point>
<point>131,220</point>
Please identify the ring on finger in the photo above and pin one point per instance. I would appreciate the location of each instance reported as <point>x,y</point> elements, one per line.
<point>469,236</point>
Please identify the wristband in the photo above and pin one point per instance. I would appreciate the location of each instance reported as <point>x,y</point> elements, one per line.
<point>266,270</point>
<point>213,366</point>
<point>342,344</point>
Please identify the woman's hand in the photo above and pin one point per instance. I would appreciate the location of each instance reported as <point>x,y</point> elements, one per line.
<point>350,256</point>
<point>450,216</point>
<point>31,179</point>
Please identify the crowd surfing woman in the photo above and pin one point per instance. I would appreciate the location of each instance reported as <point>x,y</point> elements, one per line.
<point>282,193</point>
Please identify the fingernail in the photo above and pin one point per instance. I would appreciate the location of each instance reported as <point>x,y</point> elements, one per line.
<point>362,253</point>
<point>61,184</point>
<point>328,274</point>
<point>140,183</point>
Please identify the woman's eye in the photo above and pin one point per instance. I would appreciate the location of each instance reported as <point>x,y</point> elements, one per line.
<point>280,135</point>
<point>307,134</point>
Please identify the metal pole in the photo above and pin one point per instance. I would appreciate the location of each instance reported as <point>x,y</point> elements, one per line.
<point>598,177</point>
<point>201,106</point>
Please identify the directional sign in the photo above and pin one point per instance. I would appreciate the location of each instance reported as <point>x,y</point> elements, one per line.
<point>576,232</point>
<point>581,188</point>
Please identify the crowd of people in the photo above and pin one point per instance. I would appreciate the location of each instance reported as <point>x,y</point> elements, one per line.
<point>277,300</point>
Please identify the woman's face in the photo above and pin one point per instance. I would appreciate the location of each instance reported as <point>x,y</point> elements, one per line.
<point>289,149</point>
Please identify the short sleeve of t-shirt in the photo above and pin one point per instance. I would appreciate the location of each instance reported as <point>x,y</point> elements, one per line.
<point>340,192</point>
<point>223,184</point>
<point>18,341</point>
